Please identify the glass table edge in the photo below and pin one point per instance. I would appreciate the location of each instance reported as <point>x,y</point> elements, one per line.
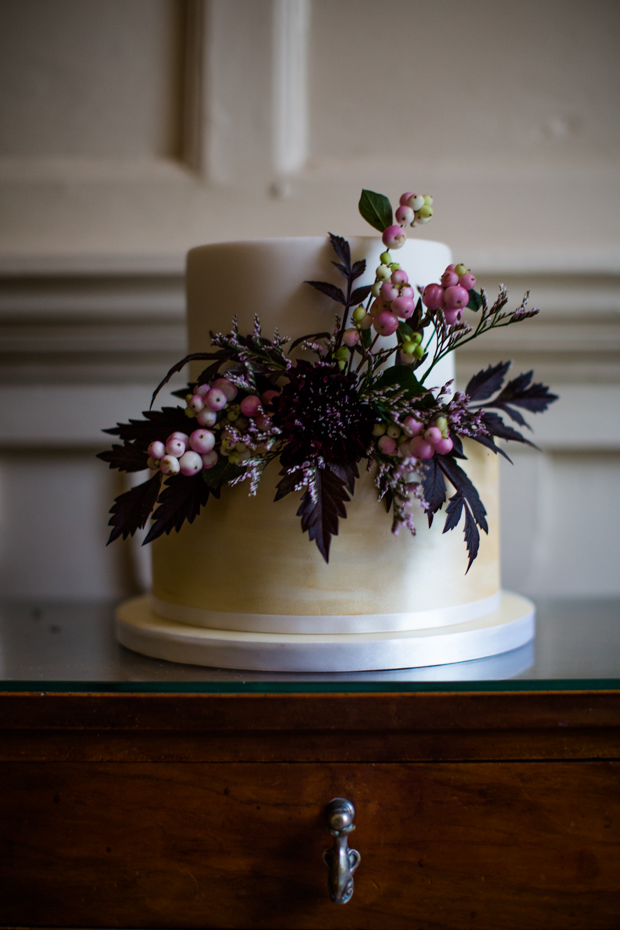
<point>305,687</point>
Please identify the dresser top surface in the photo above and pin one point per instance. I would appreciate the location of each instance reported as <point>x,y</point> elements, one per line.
<point>72,647</point>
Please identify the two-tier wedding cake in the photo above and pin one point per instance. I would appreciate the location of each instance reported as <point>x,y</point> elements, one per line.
<point>363,408</point>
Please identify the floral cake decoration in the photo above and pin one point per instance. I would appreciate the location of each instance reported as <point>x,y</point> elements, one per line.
<point>352,400</point>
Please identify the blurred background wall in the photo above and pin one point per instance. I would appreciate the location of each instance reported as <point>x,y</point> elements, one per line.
<point>131,130</point>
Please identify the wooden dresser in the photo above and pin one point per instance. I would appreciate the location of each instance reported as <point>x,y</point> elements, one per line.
<point>200,803</point>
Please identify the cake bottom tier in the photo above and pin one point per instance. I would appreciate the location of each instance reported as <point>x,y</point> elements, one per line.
<point>509,626</point>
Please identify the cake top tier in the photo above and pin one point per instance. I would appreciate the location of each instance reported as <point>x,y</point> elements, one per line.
<point>266,277</point>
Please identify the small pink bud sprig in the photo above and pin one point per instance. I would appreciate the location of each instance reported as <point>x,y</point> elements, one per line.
<point>412,209</point>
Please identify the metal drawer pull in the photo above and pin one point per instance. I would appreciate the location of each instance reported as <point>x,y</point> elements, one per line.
<point>340,860</point>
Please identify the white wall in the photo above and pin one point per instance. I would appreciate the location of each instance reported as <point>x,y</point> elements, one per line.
<point>131,130</point>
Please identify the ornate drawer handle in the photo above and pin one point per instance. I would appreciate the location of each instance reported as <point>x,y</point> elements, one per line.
<point>340,860</point>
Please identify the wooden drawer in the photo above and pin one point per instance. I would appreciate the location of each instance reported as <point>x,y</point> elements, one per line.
<point>443,845</point>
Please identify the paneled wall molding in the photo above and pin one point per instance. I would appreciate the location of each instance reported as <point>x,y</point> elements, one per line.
<point>115,328</point>
<point>247,165</point>
<point>291,23</point>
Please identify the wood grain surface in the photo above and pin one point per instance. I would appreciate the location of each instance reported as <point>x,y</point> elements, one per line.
<point>309,728</point>
<point>511,845</point>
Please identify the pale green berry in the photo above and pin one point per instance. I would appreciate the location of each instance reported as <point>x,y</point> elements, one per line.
<point>394,267</point>
<point>379,429</point>
<point>359,313</point>
<point>417,338</point>
<point>424,212</point>
<point>190,413</point>
<point>152,463</point>
<point>383,272</point>
<point>418,351</point>
<point>188,397</point>
<point>428,200</point>
<point>342,365</point>
<point>460,269</point>
<point>394,431</point>
<point>441,423</point>
<point>234,457</point>
<point>408,348</point>
<point>233,412</point>
<point>385,258</point>
<point>375,290</point>
<point>342,352</point>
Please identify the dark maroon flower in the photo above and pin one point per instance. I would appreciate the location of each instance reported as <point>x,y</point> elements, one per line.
<point>320,414</point>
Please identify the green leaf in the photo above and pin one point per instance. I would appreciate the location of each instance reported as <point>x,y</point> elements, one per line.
<point>475,300</point>
<point>221,473</point>
<point>365,337</point>
<point>402,377</point>
<point>405,332</point>
<point>376,210</point>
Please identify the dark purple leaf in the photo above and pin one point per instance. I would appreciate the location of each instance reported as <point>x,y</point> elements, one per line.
<point>342,249</point>
<point>457,477</point>
<point>157,425</point>
<point>518,392</point>
<point>347,473</point>
<point>512,413</point>
<point>494,424</point>
<point>129,457</point>
<point>358,269</point>
<point>286,485</point>
<point>320,519</point>
<point>209,373</point>
<point>434,486</point>
<point>330,290</point>
<point>486,382</point>
<point>376,209</point>
<point>454,511</point>
<point>183,392</point>
<point>457,447</point>
<point>181,500</point>
<point>472,537</point>
<point>342,269</point>
<point>131,510</point>
<point>195,356</point>
<point>359,295</point>
<point>487,441</point>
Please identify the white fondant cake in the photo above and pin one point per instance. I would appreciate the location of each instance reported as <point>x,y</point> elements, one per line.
<point>244,570</point>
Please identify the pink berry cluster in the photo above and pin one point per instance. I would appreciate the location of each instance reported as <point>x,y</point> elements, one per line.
<point>414,439</point>
<point>183,453</point>
<point>249,413</point>
<point>452,295</point>
<point>207,401</point>
<point>213,408</point>
<point>394,301</point>
<point>412,209</point>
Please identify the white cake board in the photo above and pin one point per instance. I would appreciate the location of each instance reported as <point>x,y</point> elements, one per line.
<point>509,627</point>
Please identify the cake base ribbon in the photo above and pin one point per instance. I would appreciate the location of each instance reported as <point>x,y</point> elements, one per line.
<point>341,623</point>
